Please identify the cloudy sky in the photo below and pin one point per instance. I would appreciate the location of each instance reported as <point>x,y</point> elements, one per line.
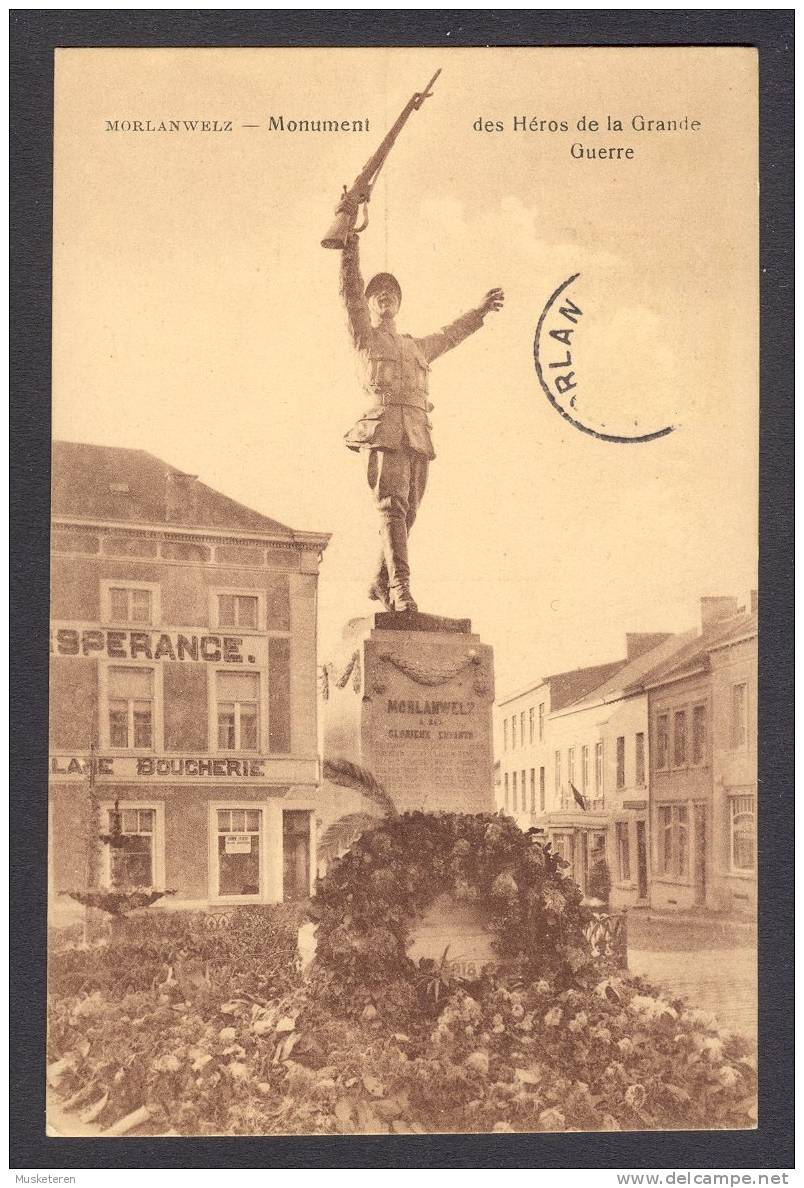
<point>197,317</point>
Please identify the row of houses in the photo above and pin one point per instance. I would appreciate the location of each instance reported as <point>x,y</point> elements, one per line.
<point>649,760</point>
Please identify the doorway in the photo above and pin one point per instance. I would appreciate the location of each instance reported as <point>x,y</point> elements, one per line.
<point>296,854</point>
<point>642,860</point>
<point>699,811</point>
<point>583,859</point>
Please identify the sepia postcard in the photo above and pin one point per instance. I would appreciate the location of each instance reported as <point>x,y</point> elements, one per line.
<point>403,632</point>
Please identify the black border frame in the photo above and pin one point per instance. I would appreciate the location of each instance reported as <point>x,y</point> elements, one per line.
<point>34,34</point>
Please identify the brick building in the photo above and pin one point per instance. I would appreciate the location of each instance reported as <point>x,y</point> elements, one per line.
<point>702,709</point>
<point>183,671</point>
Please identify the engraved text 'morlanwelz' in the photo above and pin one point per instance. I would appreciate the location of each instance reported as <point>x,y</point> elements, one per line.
<point>280,124</point>
<point>430,708</point>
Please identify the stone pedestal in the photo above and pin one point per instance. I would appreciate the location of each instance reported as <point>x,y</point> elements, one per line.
<point>410,698</point>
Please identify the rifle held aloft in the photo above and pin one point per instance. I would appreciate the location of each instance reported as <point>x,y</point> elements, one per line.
<point>359,193</point>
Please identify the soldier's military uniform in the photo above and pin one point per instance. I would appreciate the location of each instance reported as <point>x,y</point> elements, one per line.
<point>395,430</point>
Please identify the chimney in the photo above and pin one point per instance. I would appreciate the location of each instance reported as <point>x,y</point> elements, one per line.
<point>639,642</point>
<point>717,607</point>
<point>181,497</point>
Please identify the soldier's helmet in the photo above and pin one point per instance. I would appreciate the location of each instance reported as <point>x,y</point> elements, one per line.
<point>384,278</point>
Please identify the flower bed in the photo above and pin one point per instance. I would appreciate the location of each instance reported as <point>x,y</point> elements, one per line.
<point>188,1029</point>
<point>611,1056</point>
<point>253,948</point>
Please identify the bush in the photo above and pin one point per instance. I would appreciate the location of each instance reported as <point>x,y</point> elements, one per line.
<point>251,949</point>
<point>371,898</point>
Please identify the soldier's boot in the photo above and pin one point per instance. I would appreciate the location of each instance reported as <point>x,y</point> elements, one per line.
<point>378,590</point>
<point>395,547</point>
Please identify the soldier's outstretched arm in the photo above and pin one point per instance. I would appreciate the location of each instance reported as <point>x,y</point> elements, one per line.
<point>353,292</point>
<point>433,345</point>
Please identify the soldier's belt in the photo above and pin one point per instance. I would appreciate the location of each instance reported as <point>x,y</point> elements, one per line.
<point>416,400</point>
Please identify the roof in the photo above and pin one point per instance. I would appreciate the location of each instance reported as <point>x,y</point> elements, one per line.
<point>695,655</point>
<point>92,482</point>
<point>745,628</point>
<point>630,674</point>
<point>567,687</point>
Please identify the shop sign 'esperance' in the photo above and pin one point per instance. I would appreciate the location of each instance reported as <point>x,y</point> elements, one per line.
<point>147,645</point>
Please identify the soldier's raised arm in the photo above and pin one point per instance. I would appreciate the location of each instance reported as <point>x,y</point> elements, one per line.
<point>353,292</point>
<point>433,345</point>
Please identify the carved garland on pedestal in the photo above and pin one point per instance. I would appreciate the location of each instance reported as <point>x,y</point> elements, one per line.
<point>435,676</point>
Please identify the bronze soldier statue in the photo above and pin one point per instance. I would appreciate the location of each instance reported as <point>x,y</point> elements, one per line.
<point>395,430</point>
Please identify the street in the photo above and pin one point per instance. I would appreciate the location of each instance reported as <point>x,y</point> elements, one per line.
<point>711,963</point>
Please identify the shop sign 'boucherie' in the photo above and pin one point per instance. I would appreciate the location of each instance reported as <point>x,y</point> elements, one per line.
<point>114,644</point>
<point>150,766</point>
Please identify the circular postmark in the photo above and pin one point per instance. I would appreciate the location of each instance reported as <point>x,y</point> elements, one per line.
<point>554,355</point>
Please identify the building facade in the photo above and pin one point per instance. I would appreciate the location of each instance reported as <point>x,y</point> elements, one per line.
<point>734,667</point>
<point>648,768</point>
<point>703,767</point>
<point>600,762</point>
<point>183,684</point>
<point>525,778</point>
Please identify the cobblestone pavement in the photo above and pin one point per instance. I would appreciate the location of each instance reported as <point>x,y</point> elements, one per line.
<point>723,981</point>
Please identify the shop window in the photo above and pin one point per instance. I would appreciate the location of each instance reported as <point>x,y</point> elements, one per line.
<point>238,707</point>
<point>680,738</point>
<point>131,708</point>
<point>739,726</point>
<point>238,610</point>
<point>662,741</point>
<point>133,602</point>
<point>699,734</point>
<point>623,852</point>
<point>238,851</point>
<point>673,840</point>
<point>742,833</point>
<point>131,859</point>
<point>621,761</point>
<point>639,759</point>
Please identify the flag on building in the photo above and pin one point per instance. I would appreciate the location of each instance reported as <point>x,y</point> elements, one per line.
<point>580,799</point>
